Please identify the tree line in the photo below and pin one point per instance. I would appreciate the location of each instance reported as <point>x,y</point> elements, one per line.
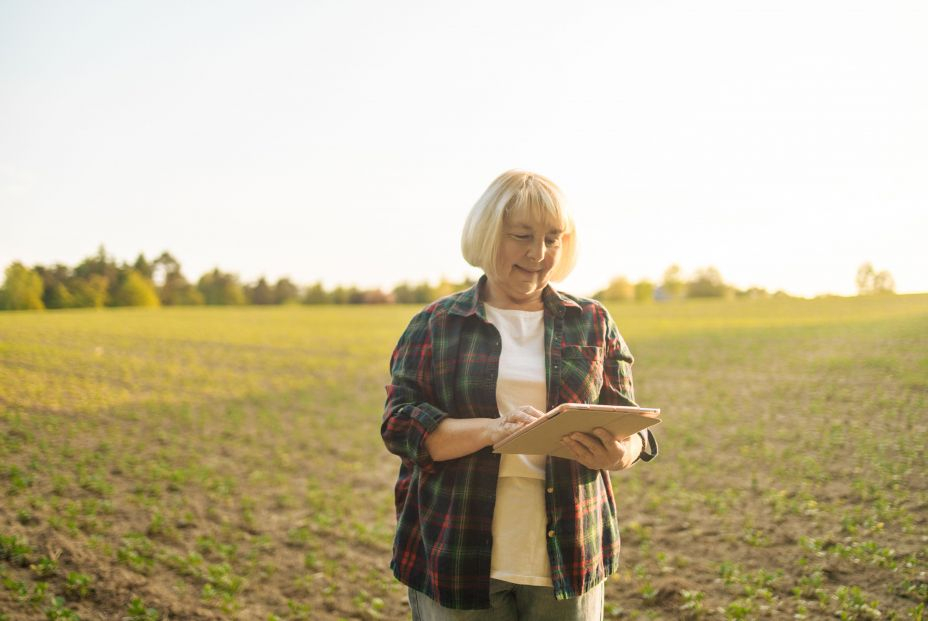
<point>707,282</point>
<point>100,281</point>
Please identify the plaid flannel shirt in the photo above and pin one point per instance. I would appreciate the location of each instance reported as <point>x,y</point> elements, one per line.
<point>446,364</point>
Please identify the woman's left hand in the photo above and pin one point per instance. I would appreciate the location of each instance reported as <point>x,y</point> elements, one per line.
<point>602,450</point>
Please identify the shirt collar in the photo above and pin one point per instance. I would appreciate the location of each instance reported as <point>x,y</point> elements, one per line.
<point>470,302</point>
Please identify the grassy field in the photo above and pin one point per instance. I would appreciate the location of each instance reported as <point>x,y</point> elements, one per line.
<point>226,463</point>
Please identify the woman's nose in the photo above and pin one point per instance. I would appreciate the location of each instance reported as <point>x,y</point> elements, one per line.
<point>536,250</point>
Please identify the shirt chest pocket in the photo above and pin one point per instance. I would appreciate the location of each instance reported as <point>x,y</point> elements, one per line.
<point>581,373</point>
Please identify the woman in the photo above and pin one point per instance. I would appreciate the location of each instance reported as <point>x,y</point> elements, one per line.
<point>525,536</point>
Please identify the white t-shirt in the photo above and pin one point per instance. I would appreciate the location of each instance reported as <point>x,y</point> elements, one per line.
<point>520,549</point>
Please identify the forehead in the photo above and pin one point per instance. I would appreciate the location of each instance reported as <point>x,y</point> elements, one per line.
<point>527,221</point>
<point>533,217</point>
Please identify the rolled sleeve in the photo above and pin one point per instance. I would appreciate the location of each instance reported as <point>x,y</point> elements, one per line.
<point>409,416</point>
<point>406,427</point>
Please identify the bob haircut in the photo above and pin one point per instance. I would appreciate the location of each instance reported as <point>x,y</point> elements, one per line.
<point>517,192</point>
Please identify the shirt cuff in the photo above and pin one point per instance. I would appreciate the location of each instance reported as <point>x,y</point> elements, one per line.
<point>428,417</point>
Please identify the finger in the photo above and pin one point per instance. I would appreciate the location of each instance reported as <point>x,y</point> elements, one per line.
<point>533,412</point>
<point>615,449</point>
<point>603,435</point>
<point>581,450</point>
<point>612,443</point>
<point>574,448</point>
<point>607,436</point>
<point>590,443</point>
<point>512,416</point>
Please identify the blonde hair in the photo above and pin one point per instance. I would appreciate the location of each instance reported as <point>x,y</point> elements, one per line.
<point>515,192</point>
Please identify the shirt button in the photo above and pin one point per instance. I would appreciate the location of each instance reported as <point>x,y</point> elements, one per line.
<point>550,533</point>
<point>550,490</point>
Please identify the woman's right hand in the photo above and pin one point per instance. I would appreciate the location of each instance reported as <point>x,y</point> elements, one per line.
<point>511,421</point>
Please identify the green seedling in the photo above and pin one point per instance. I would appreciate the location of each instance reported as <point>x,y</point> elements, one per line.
<point>138,611</point>
<point>78,585</point>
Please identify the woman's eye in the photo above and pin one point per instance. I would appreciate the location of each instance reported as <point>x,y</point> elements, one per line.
<point>521,237</point>
<point>552,242</point>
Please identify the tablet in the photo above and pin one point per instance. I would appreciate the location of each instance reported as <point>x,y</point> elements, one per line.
<point>543,436</point>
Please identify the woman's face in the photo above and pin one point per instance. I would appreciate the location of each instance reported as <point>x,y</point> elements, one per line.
<point>528,252</point>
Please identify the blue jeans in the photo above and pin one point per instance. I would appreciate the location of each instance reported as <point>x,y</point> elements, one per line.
<point>512,602</point>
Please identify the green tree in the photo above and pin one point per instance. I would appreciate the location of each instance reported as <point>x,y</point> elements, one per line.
<point>163,266</point>
<point>22,289</point>
<point>407,293</point>
<point>87,279</point>
<point>315,294</point>
<point>218,288</point>
<point>644,291</point>
<point>672,285</point>
<point>176,291</point>
<point>173,287</point>
<point>754,293</point>
<point>620,289</point>
<point>56,283</point>
<point>375,296</point>
<point>883,282</point>
<point>340,295</point>
<point>260,293</point>
<point>423,293</point>
<point>135,289</point>
<point>707,283</point>
<point>285,292</point>
<point>99,264</point>
<point>355,295</point>
<point>864,280</point>
<point>870,282</point>
<point>444,288</point>
<point>57,295</point>
<point>403,293</point>
<point>90,292</point>
<point>143,267</point>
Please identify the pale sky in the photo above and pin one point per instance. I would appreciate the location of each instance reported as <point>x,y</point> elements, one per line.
<point>783,142</point>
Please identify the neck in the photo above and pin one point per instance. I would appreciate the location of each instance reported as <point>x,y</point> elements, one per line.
<point>498,297</point>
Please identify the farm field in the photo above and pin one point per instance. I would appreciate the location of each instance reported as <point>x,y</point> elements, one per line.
<point>226,463</point>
